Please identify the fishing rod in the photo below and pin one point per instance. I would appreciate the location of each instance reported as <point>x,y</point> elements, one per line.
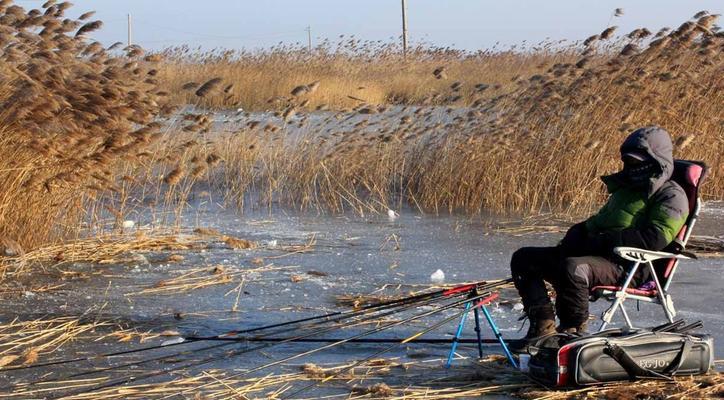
<point>416,301</point>
<point>363,334</point>
<point>277,341</point>
<point>227,342</point>
<point>347,313</point>
<point>415,337</point>
<point>436,294</point>
<point>362,341</point>
<point>124,380</point>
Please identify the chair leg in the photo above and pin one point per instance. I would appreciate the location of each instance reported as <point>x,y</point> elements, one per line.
<point>667,303</point>
<point>625,316</point>
<point>608,314</point>
<point>604,324</point>
<point>620,298</point>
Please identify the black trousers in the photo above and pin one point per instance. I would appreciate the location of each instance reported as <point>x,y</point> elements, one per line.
<point>571,277</point>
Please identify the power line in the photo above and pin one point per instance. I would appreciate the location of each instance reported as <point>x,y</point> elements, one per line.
<point>197,40</point>
<point>208,36</point>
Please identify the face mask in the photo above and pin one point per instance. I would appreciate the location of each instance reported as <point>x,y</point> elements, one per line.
<point>639,174</point>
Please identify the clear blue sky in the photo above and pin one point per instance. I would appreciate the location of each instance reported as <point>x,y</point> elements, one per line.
<point>469,24</point>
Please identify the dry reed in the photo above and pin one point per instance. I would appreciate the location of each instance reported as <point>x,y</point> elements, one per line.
<point>536,146</point>
<point>383,379</point>
<point>72,114</point>
<point>23,342</point>
<point>198,278</point>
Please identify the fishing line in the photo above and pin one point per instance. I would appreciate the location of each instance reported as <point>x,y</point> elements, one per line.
<point>405,303</point>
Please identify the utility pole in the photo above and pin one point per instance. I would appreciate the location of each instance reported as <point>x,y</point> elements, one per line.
<point>309,38</point>
<point>404,28</point>
<point>130,30</point>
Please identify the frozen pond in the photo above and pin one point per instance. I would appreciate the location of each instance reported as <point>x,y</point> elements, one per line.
<point>351,255</point>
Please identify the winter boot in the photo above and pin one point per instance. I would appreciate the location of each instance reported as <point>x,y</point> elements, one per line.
<point>578,330</point>
<point>542,323</point>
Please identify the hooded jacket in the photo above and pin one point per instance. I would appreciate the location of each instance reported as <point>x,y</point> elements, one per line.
<point>647,217</point>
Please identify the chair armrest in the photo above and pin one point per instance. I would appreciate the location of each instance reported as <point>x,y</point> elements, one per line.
<point>641,255</point>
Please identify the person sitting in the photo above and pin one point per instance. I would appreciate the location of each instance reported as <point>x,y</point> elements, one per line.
<point>645,209</point>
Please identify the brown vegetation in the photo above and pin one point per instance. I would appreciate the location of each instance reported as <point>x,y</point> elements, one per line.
<point>339,76</point>
<point>380,379</point>
<point>521,130</point>
<point>70,115</point>
<point>538,147</point>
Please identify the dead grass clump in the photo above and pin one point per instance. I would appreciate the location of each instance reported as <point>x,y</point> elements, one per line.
<point>425,379</point>
<point>103,249</point>
<point>236,243</point>
<point>173,258</point>
<point>207,232</point>
<point>198,278</point>
<point>696,387</point>
<point>23,342</point>
<point>314,371</point>
<point>378,390</point>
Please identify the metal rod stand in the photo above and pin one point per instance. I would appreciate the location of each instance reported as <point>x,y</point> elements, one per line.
<point>457,335</point>
<point>493,327</point>
<point>478,333</point>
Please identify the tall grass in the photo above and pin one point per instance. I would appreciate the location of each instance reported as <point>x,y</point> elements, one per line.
<point>71,114</point>
<point>348,72</point>
<point>88,132</point>
<point>539,146</point>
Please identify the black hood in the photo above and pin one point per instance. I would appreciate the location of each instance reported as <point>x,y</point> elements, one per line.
<point>656,143</point>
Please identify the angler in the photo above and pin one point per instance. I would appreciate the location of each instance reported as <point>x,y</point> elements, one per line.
<point>645,209</point>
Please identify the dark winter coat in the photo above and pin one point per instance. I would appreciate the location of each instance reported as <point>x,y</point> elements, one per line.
<point>647,218</point>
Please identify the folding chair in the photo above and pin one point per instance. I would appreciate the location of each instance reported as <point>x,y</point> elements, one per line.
<point>661,264</point>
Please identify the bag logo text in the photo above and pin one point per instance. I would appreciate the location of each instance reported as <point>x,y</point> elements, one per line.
<point>656,363</point>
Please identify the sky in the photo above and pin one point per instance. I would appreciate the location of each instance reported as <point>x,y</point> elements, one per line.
<point>465,24</point>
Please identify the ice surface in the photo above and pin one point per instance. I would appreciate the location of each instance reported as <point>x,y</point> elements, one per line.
<point>351,255</point>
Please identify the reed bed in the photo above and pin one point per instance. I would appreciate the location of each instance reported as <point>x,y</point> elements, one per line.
<point>536,147</point>
<point>73,113</point>
<point>340,74</point>
<point>92,133</point>
<point>103,249</point>
<point>107,249</point>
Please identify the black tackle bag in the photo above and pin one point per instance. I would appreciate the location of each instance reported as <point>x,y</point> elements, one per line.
<point>616,355</point>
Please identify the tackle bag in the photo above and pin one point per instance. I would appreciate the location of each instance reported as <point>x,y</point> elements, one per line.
<point>617,355</point>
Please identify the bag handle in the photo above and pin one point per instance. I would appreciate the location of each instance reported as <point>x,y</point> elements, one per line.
<point>635,370</point>
<point>678,361</point>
